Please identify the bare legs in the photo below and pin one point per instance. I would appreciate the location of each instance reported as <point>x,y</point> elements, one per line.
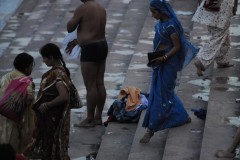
<point>200,68</point>
<point>230,152</point>
<point>147,136</point>
<point>93,76</point>
<point>101,98</point>
<point>216,49</point>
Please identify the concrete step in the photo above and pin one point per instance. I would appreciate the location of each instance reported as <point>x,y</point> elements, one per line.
<point>161,143</point>
<point>115,74</point>
<point>129,33</point>
<point>224,89</point>
<point>152,150</point>
<point>221,105</point>
<point>118,137</point>
<point>13,11</point>
<point>37,28</point>
<point>184,142</point>
<point>20,28</point>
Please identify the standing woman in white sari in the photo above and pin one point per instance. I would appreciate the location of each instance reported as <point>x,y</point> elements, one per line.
<point>218,45</point>
<point>18,135</point>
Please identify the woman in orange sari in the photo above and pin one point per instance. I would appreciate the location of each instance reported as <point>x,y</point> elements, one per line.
<point>51,136</point>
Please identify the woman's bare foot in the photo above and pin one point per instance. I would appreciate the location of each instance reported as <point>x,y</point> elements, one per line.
<point>200,68</point>
<point>189,120</point>
<point>225,65</point>
<point>224,154</point>
<point>86,123</point>
<point>146,138</point>
<point>98,121</point>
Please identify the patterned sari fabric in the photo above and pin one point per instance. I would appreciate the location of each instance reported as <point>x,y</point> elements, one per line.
<point>218,23</point>
<point>17,134</point>
<point>165,110</point>
<point>51,136</point>
<point>12,103</point>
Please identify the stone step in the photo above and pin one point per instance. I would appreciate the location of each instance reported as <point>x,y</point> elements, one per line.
<point>152,150</point>
<point>81,147</point>
<point>160,143</point>
<point>11,17</point>
<point>118,137</point>
<point>37,29</point>
<point>19,30</point>
<point>129,33</point>
<point>224,89</point>
<point>184,142</point>
<point>115,74</point>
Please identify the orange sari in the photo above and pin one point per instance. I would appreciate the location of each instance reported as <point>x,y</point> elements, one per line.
<point>51,136</point>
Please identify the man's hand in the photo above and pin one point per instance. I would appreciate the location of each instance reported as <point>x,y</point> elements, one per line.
<point>70,46</point>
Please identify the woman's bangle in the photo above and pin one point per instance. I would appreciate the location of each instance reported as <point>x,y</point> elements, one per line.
<point>45,105</point>
<point>165,57</point>
<point>75,42</point>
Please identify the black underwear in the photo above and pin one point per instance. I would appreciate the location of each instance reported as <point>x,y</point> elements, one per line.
<point>94,52</point>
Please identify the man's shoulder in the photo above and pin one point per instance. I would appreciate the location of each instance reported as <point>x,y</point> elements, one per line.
<point>93,4</point>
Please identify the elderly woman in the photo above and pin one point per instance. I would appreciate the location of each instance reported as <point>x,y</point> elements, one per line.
<point>17,131</point>
<point>165,110</point>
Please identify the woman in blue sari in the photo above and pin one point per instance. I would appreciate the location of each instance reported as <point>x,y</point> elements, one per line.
<point>165,110</point>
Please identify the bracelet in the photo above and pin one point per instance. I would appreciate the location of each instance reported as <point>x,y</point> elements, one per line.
<point>75,41</point>
<point>165,57</point>
<point>45,105</point>
<point>150,132</point>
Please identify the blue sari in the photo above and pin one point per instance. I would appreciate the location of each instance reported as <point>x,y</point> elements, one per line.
<point>165,110</point>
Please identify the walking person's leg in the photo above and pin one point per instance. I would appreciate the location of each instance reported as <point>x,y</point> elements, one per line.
<point>213,49</point>
<point>230,151</point>
<point>222,59</point>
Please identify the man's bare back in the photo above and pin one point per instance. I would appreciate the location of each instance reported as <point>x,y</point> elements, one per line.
<point>90,18</point>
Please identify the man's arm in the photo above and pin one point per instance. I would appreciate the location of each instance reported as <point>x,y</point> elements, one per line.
<point>75,20</point>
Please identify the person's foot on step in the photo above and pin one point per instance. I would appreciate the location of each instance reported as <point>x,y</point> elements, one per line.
<point>98,121</point>
<point>146,138</point>
<point>86,123</point>
<point>224,154</point>
<point>200,68</point>
<point>225,65</point>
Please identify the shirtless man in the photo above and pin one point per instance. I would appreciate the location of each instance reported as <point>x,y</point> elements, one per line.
<point>90,21</point>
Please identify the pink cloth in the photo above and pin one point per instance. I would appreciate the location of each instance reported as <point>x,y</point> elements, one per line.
<point>12,103</point>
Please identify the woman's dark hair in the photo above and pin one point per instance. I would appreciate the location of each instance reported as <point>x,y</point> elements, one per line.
<point>7,152</point>
<point>52,50</point>
<point>22,61</point>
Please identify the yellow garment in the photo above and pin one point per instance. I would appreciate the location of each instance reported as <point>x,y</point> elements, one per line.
<point>10,132</point>
<point>133,99</point>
